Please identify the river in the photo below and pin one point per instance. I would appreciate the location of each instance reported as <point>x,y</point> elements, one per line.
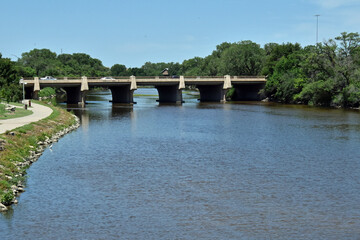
<point>195,171</point>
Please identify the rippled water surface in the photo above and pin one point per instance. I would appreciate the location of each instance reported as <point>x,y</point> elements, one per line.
<point>195,171</point>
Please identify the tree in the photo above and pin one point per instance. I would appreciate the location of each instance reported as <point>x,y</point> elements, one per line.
<point>118,70</point>
<point>192,67</point>
<point>274,52</point>
<point>287,78</point>
<point>10,89</point>
<point>43,61</point>
<point>135,71</point>
<point>243,58</point>
<point>350,43</point>
<point>81,64</point>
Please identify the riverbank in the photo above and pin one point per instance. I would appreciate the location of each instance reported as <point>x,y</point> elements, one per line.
<point>12,110</point>
<point>22,146</point>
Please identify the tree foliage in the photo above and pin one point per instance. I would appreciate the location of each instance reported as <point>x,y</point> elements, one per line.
<point>327,74</point>
<point>243,58</point>
<point>10,89</point>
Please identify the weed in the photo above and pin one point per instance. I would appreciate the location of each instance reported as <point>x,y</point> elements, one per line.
<point>7,198</point>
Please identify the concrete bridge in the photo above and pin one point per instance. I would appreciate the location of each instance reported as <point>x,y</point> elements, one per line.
<point>212,89</point>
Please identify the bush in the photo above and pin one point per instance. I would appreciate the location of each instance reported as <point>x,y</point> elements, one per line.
<point>317,93</point>
<point>7,198</point>
<point>47,92</point>
<point>230,93</point>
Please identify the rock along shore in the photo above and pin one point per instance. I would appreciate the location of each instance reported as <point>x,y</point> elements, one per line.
<point>34,156</point>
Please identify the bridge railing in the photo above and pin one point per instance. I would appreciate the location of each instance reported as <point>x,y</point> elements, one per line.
<point>203,77</point>
<point>240,77</point>
<point>157,77</point>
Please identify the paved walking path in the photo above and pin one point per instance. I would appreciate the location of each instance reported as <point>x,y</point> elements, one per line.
<point>39,112</point>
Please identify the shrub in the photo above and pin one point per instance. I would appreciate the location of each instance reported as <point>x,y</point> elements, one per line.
<point>7,198</point>
<point>47,92</point>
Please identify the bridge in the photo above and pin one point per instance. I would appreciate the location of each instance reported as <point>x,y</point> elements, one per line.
<point>212,89</point>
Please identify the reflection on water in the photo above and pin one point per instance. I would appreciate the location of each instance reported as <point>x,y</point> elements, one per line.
<point>246,170</point>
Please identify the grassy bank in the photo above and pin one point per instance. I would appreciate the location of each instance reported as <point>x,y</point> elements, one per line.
<point>19,111</point>
<point>16,147</point>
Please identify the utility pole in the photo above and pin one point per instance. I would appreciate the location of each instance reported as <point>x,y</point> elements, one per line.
<point>317,27</point>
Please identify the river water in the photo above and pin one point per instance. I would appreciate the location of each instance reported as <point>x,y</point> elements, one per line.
<point>195,171</point>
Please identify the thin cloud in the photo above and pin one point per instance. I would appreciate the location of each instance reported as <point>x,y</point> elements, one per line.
<point>335,3</point>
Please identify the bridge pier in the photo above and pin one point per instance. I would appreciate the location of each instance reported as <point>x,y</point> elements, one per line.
<point>169,94</point>
<point>247,92</point>
<point>122,94</point>
<point>212,93</point>
<point>75,96</point>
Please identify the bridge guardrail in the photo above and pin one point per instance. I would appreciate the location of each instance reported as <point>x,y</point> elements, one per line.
<point>158,77</point>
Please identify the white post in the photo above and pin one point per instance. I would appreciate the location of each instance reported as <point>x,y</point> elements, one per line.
<point>23,88</point>
<point>23,91</point>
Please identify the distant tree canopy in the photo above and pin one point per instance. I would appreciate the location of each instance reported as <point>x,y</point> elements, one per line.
<point>327,74</point>
<point>44,62</point>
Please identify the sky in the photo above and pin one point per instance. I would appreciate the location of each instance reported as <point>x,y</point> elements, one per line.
<point>133,32</point>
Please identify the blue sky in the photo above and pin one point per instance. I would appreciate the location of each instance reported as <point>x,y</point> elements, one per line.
<point>133,32</point>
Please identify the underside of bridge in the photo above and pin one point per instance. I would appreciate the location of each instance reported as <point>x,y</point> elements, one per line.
<point>29,93</point>
<point>212,93</point>
<point>122,94</point>
<point>169,94</point>
<point>247,92</point>
<point>74,95</point>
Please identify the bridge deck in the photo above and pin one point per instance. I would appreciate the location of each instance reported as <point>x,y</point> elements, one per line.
<point>143,81</point>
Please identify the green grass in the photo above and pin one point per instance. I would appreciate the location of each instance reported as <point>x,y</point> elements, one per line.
<point>16,104</point>
<point>19,111</point>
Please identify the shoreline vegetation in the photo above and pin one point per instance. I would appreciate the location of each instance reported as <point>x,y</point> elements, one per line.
<point>325,74</point>
<point>22,146</point>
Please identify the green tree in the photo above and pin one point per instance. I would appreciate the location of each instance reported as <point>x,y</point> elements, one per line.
<point>118,70</point>
<point>243,58</point>
<point>192,67</point>
<point>84,65</point>
<point>287,79</point>
<point>43,61</point>
<point>274,52</point>
<point>10,89</point>
<point>135,71</point>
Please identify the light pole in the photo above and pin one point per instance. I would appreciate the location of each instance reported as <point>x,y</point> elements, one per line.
<point>23,83</point>
<point>317,27</point>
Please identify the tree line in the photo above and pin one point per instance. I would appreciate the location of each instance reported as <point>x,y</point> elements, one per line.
<point>326,74</point>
